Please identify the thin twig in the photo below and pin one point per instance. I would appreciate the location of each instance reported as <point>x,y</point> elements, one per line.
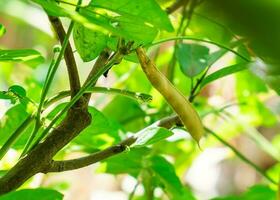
<point>131,195</point>
<point>59,166</point>
<point>141,97</point>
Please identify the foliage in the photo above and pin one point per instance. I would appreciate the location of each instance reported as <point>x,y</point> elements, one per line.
<point>235,50</point>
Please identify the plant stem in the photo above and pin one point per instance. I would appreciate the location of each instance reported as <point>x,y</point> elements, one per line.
<point>13,138</point>
<point>49,78</point>
<point>241,156</point>
<point>131,195</point>
<point>116,57</point>
<point>66,165</point>
<point>143,98</point>
<point>199,40</point>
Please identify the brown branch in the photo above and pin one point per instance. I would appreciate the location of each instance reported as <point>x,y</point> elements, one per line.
<point>176,5</point>
<point>169,122</point>
<point>69,58</point>
<point>59,166</point>
<point>41,156</point>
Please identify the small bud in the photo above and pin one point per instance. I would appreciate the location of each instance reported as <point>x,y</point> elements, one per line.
<point>56,48</point>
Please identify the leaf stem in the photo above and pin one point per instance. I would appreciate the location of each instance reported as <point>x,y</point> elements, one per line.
<point>199,40</point>
<point>133,95</point>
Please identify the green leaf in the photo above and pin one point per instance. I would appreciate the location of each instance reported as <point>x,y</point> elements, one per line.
<point>6,95</point>
<point>89,43</point>
<point>148,11</point>
<point>18,90</point>
<point>134,29</point>
<point>12,119</point>
<point>33,194</point>
<point>29,56</point>
<point>257,192</point>
<point>151,135</point>
<point>166,174</point>
<point>192,58</point>
<point>224,72</point>
<point>120,105</point>
<point>2,30</point>
<point>127,162</point>
<point>243,18</point>
<point>131,28</point>
<point>202,26</point>
<point>260,192</point>
<point>100,125</point>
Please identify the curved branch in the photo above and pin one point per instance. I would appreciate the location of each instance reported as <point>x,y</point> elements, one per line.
<point>60,166</point>
<point>68,56</point>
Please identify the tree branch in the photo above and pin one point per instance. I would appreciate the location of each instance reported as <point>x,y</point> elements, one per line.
<point>59,166</point>
<point>41,156</point>
<point>176,5</point>
<point>74,79</point>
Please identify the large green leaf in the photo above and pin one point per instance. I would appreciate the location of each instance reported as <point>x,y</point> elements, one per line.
<point>2,30</point>
<point>166,174</point>
<point>33,194</point>
<point>203,26</point>
<point>92,136</point>
<point>29,56</point>
<point>151,135</point>
<point>12,119</point>
<point>97,133</point>
<point>127,112</point>
<point>131,28</point>
<point>89,43</point>
<point>128,162</point>
<point>243,18</point>
<point>148,11</point>
<point>192,58</point>
<point>224,72</point>
<point>100,123</point>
